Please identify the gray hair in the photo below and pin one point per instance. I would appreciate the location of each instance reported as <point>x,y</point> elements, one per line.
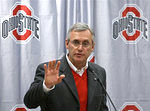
<point>79,27</point>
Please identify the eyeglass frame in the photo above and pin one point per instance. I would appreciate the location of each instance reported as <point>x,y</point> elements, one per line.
<point>77,43</point>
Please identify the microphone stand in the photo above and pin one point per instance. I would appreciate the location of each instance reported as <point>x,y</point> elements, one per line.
<point>105,90</point>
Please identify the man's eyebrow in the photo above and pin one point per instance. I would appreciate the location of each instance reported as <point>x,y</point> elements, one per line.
<point>75,40</point>
<point>86,41</point>
<point>79,40</point>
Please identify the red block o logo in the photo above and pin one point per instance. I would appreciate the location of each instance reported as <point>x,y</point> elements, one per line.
<point>20,109</point>
<point>130,25</point>
<point>22,24</point>
<point>129,106</point>
<point>137,33</point>
<point>28,32</point>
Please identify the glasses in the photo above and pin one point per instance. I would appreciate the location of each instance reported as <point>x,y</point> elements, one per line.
<point>77,43</point>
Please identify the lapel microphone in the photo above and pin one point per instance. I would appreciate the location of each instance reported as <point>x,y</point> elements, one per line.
<point>100,81</point>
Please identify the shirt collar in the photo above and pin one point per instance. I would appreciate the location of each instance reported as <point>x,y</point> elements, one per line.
<point>78,71</point>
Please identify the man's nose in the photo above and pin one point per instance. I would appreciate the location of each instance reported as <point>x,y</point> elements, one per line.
<point>80,47</point>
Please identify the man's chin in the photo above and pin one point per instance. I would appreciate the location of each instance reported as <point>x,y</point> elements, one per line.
<point>80,60</point>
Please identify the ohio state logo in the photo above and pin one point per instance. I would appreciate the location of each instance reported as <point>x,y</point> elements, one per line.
<point>131,25</point>
<point>19,107</point>
<point>131,106</point>
<point>22,25</point>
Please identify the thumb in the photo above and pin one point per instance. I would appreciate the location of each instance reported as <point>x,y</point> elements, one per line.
<point>60,78</point>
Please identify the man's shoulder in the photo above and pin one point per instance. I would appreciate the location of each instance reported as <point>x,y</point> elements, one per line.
<point>99,70</point>
<point>96,67</point>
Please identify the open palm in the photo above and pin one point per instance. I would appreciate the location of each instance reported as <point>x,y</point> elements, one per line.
<point>52,74</point>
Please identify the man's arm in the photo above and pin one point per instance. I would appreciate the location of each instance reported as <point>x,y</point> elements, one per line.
<point>49,73</point>
<point>35,95</point>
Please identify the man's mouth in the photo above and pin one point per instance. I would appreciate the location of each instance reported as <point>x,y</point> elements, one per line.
<point>79,54</point>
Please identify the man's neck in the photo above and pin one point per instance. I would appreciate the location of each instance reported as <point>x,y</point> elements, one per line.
<point>79,65</point>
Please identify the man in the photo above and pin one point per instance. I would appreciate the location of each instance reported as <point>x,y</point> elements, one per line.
<point>70,84</point>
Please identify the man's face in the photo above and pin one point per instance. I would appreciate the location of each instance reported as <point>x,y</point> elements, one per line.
<point>80,47</point>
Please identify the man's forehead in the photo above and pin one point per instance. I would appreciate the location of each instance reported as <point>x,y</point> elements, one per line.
<point>81,34</point>
<point>81,39</point>
<point>82,31</point>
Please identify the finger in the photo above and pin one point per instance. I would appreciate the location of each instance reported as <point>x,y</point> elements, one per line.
<point>49,65</point>
<point>57,65</point>
<point>53,64</point>
<point>45,68</point>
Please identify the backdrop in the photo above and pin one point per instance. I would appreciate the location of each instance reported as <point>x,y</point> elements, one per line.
<point>34,31</point>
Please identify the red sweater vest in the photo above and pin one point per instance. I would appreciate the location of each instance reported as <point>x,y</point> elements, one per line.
<point>81,84</point>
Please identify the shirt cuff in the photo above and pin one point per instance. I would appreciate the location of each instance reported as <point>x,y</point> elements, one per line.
<point>46,89</point>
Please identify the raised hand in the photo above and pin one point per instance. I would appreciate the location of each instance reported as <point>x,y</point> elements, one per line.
<point>52,74</point>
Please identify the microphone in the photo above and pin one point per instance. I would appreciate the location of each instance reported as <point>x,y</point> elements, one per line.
<point>100,81</point>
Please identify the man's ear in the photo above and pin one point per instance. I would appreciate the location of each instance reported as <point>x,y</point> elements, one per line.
<point>66,43</point>
<point>93,46</point>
